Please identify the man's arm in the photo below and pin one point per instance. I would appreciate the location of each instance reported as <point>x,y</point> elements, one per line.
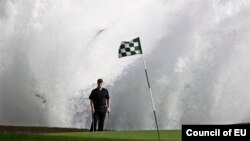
<point>91,98</point>
<point>108,101</point>
<point>92,106</point>
<point>108,104</point>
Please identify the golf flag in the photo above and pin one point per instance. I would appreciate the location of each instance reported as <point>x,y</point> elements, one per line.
<point>128,48</point>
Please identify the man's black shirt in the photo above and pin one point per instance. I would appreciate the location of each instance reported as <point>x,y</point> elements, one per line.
<point>99,97</point>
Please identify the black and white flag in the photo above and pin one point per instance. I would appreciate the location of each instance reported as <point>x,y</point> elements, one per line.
<point>128,48</point>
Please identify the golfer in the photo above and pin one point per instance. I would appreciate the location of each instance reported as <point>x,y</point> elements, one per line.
<point>100,104</point>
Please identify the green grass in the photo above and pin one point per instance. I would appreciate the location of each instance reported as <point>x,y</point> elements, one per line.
<point>166,135</point>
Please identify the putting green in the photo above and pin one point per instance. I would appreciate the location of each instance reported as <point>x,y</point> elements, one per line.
<point>166,135</point>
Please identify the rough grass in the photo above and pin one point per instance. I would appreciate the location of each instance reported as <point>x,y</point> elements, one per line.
<point>166,135</point>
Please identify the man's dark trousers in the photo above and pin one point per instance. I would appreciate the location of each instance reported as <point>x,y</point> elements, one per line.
<point>99,116</point>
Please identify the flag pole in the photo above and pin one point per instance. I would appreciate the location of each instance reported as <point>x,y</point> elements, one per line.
<point>128,48</point>
<point>151,96</point>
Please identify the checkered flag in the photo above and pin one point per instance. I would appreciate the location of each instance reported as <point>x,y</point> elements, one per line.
<point>129,48</point>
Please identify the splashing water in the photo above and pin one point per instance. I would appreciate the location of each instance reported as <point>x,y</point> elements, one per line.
<point>196,51</point>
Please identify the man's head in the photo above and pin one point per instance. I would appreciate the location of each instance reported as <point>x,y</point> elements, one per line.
<point>99,83</point>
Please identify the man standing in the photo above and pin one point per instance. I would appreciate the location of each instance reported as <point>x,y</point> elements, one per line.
<point>100,103</point>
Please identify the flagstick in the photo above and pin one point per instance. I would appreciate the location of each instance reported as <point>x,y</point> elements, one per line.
<point>151,96</point>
